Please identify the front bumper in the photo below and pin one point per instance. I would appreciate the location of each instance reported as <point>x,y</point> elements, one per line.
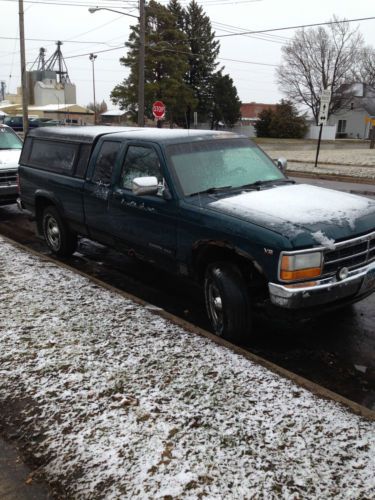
<point>360,282</point>
<point>8,193</point>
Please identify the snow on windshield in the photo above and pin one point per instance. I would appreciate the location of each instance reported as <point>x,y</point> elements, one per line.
<point>121,403</point>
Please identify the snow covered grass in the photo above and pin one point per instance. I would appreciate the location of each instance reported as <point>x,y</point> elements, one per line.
<point>360,157</point>
<point>124,404</point>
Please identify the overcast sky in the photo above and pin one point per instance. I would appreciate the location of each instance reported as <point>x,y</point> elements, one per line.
<point>253,59</point>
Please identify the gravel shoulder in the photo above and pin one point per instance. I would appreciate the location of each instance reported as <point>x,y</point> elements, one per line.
<point>117,402</point>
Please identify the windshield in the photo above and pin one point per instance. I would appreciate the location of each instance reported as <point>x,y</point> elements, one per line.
<point>9,140</point>
<point>220,163</point>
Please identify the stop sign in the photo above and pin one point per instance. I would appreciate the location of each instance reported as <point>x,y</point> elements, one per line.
<point>158,110</point>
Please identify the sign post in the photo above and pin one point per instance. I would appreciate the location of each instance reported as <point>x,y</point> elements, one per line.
<point>325,99</point>
<point>158,110</point>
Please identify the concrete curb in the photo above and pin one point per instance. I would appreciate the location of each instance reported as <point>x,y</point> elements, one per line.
<point>316,389</point>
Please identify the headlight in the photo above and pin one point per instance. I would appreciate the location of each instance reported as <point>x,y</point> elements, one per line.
<point>300,266</point>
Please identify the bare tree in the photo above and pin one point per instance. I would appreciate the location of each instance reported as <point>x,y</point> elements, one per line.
<point>317,59</point>
<point>365,69</point>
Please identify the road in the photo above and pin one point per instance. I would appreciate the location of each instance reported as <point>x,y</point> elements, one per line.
<point>337,350</point>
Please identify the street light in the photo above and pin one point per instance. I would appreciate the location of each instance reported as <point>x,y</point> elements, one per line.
<point>141,56</point>
<point>92,58</point>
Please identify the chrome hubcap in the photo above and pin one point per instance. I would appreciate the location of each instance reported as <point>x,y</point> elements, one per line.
<point>215,306</point>
<point>53,233</point>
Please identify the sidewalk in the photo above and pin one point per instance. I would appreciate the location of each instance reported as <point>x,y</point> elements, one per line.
<point>125,404</point>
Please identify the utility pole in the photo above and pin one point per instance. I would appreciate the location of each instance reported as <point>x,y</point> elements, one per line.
<point>92,59</point>
<point>141,62</point>
<point>23,68</point>
<point>141,55</point>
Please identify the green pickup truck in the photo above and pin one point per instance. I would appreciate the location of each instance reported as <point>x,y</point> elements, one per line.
<point>211,206</point>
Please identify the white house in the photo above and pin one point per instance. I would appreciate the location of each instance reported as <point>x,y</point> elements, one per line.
<point>354,119</point>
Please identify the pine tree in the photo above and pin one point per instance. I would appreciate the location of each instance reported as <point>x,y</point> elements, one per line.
<point>202,61</point>
<point>166,64</point>
<point>226,104</point>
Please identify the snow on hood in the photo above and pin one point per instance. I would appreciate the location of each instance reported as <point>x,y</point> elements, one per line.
<point>297,206</point>
<point>9,158</point>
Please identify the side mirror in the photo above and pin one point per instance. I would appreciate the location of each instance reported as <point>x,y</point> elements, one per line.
<point>281,164</point>
<point>145,185</point>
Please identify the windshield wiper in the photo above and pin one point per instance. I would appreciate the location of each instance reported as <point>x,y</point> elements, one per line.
<point>212,190</point>
<point>257,184</point>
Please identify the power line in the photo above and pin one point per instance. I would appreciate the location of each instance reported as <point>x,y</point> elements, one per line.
<point>68,3</point>
<point>50,40</point>
<point>297,27</point>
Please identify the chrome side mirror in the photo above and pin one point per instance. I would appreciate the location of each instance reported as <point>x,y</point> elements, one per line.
<point>281,164</point>
<point>145,186</point>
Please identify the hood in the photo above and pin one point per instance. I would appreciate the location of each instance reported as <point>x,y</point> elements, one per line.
<point>9,158</point>
<point>306,215</point>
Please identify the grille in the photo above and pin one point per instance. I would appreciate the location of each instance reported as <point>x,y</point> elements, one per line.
<point>8,177</point>
<point>350,254</point>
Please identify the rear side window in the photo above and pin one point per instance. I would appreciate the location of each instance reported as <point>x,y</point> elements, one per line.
<point>26,150</point>
<point>55,156</point>
<point>83,159</point>
<point>105,162</point>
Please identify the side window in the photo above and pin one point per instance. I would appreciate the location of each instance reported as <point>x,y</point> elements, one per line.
<point>105,162</point>
<point>54,156</point>
<point>83,159</point>
<point>140,162</point>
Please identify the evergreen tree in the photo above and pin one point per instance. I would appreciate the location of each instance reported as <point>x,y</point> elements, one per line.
<point>166,64</point>
<point>226,103</point>
<point>202,61</point>
<point>179,12</point>
<point>262,126</point>
<point>284,122</point>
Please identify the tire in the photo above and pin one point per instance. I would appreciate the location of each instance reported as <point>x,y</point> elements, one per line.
<point>58,237</point>
<point>227,301</point>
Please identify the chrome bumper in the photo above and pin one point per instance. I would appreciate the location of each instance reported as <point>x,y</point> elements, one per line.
<point>8,189</point>
<point>359,282</point>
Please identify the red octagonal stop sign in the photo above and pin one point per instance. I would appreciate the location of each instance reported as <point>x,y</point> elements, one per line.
<point>158,109</point>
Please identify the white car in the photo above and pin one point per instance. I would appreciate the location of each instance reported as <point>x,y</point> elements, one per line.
<point>10,150</point>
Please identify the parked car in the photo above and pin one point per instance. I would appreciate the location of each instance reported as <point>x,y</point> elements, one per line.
<point>10,150</point>
<point>16,122</point>
<point>210,206</point>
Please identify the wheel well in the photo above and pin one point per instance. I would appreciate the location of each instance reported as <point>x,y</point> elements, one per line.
<point>210,253</point>
<point>41,204</point>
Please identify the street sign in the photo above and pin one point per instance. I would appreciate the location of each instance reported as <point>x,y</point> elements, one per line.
<point>158,110</point>
<point>325,99</point>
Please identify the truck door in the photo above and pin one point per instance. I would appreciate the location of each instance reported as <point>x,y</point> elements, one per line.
<point>146,224</point>
<point>97,190</point>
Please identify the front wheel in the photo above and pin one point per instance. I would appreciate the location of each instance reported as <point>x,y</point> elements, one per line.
<point>227,301</point>
<point>58,237</point>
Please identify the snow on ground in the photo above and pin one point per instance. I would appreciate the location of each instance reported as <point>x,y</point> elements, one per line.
<point>350,162</point>
<point>360,157</point>
<point>124,404</point>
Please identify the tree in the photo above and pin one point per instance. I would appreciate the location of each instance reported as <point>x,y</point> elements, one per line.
<point>262,126</point>
<point>226,103</point>
<point>284,122</point>
<point>166,64</point>
<point>202,60</point>
<point>365,71</point>
<point>317,59</point>
<point>98,108</point>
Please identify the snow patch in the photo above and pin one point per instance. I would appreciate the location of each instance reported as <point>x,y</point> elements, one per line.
<point>123,404</point>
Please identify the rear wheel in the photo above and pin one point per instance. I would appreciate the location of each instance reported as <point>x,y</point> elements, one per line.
<point>227,301</point>
<point>58,237</point>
